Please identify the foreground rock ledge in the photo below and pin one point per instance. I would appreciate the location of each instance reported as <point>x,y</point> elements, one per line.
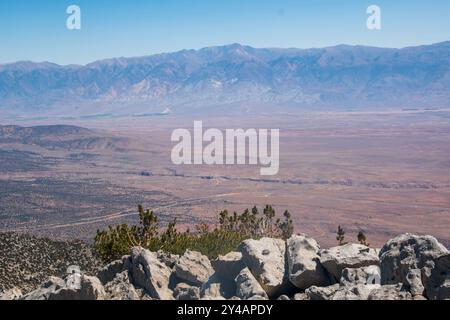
<point>408,267</point>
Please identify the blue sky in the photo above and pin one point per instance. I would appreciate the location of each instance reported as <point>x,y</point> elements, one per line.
<point>36,30</point>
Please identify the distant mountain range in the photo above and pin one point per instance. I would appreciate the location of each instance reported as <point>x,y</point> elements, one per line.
<point>234,78</point>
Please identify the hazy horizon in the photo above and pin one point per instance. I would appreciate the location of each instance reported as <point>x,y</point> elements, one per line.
<point>219,46</point>
<point>36,31</point>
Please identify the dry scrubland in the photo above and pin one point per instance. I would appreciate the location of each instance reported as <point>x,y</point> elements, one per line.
<point>385,173</point>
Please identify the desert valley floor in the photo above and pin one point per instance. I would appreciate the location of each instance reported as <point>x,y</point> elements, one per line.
<point>384,173</point>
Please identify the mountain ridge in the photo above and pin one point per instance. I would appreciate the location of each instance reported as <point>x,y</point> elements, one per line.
<point>442,43</point>
<point>336,77</point>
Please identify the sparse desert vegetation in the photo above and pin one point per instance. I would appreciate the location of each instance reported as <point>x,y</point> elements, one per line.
<point>384,173</point>
<point>212,241</point>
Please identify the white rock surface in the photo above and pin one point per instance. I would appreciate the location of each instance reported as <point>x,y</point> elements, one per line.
<point>406,258</point>
<point>149,273</point>
<point>351,255</point>
<point>390,292</point>
<point>247,286</point>
<point>304,265</point>
<point>265,258</point>
<point>194,268</point>
<point>184,291</point>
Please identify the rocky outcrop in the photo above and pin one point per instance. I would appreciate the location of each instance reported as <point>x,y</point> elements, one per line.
<point>76,286</point>
<point>228,266</point>
<point>53,284</point>
<point>304,267</point>
<point>167,258</point>
<point>184,291</point>
<point>321,293</point>
<point>390,292</point>
<point>91,289</point>
<point>194,268</point>
<point>366,276</point>
<point>351,255</point>
<point>266,259</point>
<point>216,291</point>
<point>357,283</point>
<point>355,292</point>
<point>437,279</point>
<point>247,286</point>
<point>406,259</point>
<point>121,288</point>
<point>412,267</point>
<point>109,272</point>
<point>149,273</point>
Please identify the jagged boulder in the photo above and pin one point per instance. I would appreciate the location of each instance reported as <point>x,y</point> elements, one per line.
<point>354,292</point>
<point>405,259</point>
<point>351,255</point>
<point>80,288</point>
<point>390,292</point>
<point>265,258</point>
<point>437,279</point>
<point>213,291</point>
<point>226,269</point>
<point>184,291</point>
<point>149,273</point>
<point>120,288</point>
<point>358,292</point>
<point>91,289</point>
<point>247,286</point>
<point>75,287</point>
<point>194,268</point>
<point>228,266</point>
<point>357,283</point>
<point>218,288</point>
<point>304,265</point>
<point>361,276</point>
<point>109,272</point>
<point>167,258</point>
<point>321,293</point>
<point>53,284</point>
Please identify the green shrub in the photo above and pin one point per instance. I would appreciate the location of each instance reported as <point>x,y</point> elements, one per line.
<point>231,230</point>
<point>362,238</point>
<point>340,236</point>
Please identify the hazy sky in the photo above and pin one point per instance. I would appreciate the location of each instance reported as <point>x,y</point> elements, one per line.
<point>36,30</point>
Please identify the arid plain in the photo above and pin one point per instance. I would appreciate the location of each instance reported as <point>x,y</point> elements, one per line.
<point>383,173</point>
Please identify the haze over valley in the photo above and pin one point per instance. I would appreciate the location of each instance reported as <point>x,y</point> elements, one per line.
<point>381,173</point>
